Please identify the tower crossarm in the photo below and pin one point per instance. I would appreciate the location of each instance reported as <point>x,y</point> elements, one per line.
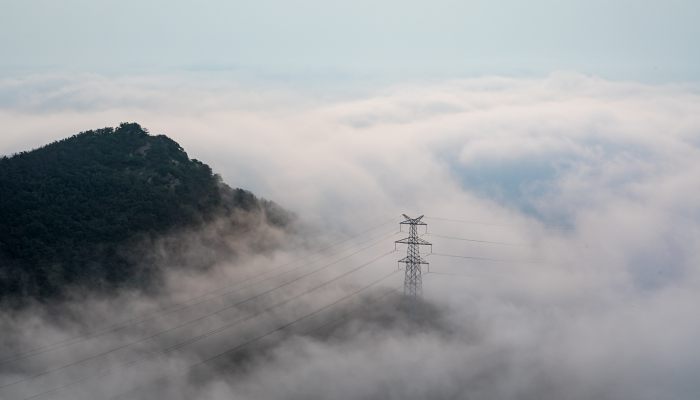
<point>408,260</point>
<point>414,240</point>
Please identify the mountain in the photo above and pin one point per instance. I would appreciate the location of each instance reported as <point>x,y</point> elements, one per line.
<point>72,212</point>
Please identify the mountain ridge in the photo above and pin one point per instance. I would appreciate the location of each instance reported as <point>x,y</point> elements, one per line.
<point>71,209</point>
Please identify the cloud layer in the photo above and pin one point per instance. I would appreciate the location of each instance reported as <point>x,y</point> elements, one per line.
<point>593,185</point>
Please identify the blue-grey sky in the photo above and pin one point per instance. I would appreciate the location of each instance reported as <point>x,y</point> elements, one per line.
<point>620,39</point>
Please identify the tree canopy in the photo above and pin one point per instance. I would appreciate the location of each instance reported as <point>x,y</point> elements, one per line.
<point>69,209</point>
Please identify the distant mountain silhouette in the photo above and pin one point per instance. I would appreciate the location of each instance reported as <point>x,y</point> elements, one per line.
<point>72,212</point>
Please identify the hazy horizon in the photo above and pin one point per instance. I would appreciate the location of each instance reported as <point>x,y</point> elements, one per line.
<point>649,41</point>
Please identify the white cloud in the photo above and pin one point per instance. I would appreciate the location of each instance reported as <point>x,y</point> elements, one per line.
<point>599,179</point>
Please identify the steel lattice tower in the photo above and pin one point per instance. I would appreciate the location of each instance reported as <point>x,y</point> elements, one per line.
<point>413,282</point>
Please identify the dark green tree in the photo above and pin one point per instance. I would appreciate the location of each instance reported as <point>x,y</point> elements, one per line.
<point>70,210</point>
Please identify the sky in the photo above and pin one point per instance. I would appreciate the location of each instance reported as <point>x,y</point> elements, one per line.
<point>554,144</point>
<point>648,40</point>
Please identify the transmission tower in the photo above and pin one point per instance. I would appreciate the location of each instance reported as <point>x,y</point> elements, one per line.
<point>413,281</point>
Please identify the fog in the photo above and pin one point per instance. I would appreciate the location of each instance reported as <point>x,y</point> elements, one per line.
<point>563,213</point>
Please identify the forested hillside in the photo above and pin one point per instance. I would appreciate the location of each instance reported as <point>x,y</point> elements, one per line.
<point>70,211</point>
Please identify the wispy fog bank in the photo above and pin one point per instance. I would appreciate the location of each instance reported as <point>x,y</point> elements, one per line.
<point>574,201</point>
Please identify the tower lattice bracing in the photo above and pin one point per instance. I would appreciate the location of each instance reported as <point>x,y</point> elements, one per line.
<point>413,281</point>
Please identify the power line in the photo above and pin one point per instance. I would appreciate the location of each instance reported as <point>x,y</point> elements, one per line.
<point>189,322</point>
<point>473,240</point>
<point>210,359</point>
<point>468,221</point>
<point>212,332</point>
<point>483,258</point>
<point>281,328</point>
<point>447,274</point>
<point>235,322</point>
<point>489,276</point>
<point>177,306</point>
<point>453,274</point>
<point>348,314</point>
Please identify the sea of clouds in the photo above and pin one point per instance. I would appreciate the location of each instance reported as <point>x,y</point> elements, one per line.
<point>590,187</point>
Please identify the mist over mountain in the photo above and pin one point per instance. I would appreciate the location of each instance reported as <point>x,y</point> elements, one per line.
<point>565,231</point>
<point>81,211</point>
<point>478,200</point>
